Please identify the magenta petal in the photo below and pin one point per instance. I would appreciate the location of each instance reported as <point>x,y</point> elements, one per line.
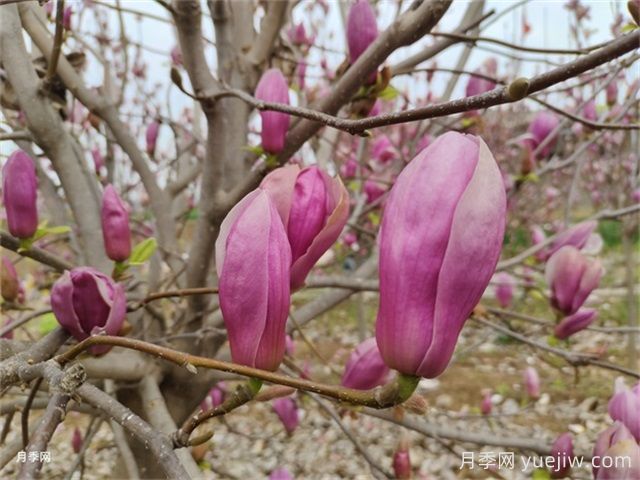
<point>62,306</point>
<point>287,411</point>
<point>308,212</point>
<point>362,28</point>
<point>624,406</point>
<point>338,205</point>
<point>280,184</point>
<point>254,282</point>
<point>365,368</point>
<point>475,242</point>
<point>90,300</point>
<point>575,323</point>
<point>115,226</point>
<point>576,236</point>
<point>413,240</point>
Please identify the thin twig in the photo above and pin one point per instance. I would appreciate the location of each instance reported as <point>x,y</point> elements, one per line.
<point>24,420</point>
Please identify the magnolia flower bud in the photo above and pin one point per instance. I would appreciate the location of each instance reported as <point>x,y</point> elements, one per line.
<point>562,451</point>
<point>625,407</point>
<point>478,85</point>
<point>151,137</point>
<point>575,323</point>
<point>9,283</point>
<point>612,93</point>
<point>589,111</point>
<point>176,56</point>
<point>76,440</point>
<point>349,169</point>
<point>383,150</point>
<point>576,236</point>
<point>66,18</point>
<point>487,404</point>
<point>287,412</point>
<point>19,189</point>
<point>314,209</point>
<point>441,234</point>
<point>362,28</point>
<point>606,439</point>
<point>87,302</point>
<point>253,260</point>
<point>543,124</point>
<point>365,368</point>
<point>402,461</point>
<point>273,87</point>
<point>373,190</point>
<point>532,383</point>
<point>625,464</point>
<point>215,397</point>
<point>280,474</point>
<point>571,277</point>
<point>504,289</point>
<point>115,226</point>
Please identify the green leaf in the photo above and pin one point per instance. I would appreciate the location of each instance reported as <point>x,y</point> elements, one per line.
<point>44,231</point>
<point>143,251</point>
<point>47,323</point>
<point>553,341</point>
<point>389,93</point>
<point>193,214</point>
<point>256,149</point>
<point>629,27</point>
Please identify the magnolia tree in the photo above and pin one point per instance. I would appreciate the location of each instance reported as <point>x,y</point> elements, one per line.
<point>187,229</point>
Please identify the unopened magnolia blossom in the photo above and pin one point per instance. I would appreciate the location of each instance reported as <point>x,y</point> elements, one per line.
<point>440,239</point>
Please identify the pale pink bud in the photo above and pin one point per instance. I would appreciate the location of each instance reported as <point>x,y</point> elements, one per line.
<point>287,412</point>
<point>532,383</point>
<point>625,407</point>
<point>365,368</point>
<point>505,284</point>
<point>575,323</point>
<point>606,439</point>
<point>151,137</point>
<point>562,451</point>
<point>273,88</point>
<point>115,226</point>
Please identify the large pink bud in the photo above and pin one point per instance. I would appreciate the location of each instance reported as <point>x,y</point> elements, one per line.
<point>20,194</point>
<point>253,260</point>
<point>575,323</point>
<point>362,28</point>
<point>543,125</point>
<point>115,226</point>
<point>87,302</point>
<point>440,240</point>
<point>273,87</point>
<point>577,236</point>
<point>624,406</point>
<point>365,368</point>
<point>571,277</point>
<point>314,208</point>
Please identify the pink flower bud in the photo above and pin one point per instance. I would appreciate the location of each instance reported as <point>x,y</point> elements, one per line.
<point>589,111</point>
<point>441,234</point>
<point>532,383</point>
<point>349,169</point>
<point>376,109</point>
<point>625,407</point>
<point>402,462</point>
<point>383,150</point>
<point>253,260</point>
<point>115,226</point>
<point>314,209</point>
<point>287,411</point>
<point>280,474</point>
<point>625,464</point>
<point>76,440</point>
<point>151,137</point>
<point>543,125</point>
<point>215,397</point>
<point>350,239</point>
<point>362,28</point>
<point>571,278</point>
<point>505,284</point>
<point>635,196</point>
<point>606,439</point>
<point>273,88</point>
<point>577,236</point>
<point>20,191</point>
<point>575,323</point>
<point>365,368</point>
<point>87,302</point>
<point>298,35</point>
<point>373,190</point>
<point>9,283</point>
<point>562,451</point>
<point>487,404</point>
